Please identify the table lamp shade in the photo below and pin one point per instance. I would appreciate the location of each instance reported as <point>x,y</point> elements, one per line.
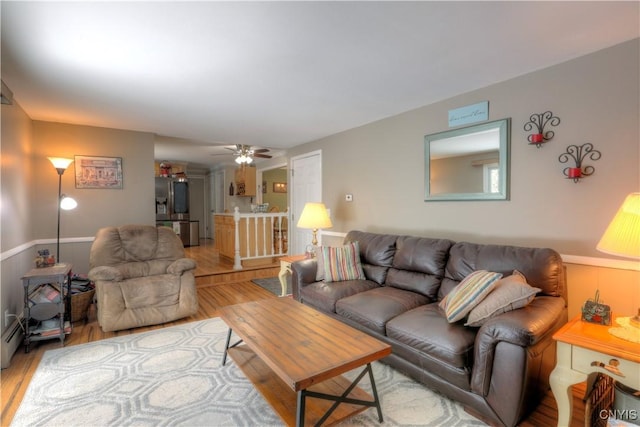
<point>314,216</point>
<point>622,237</point>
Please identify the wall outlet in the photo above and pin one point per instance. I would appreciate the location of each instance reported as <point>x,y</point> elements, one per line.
<point>349,197</point>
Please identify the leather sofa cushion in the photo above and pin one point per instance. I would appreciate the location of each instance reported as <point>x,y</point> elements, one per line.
<point>422,254</point>
<point>323,295</point>
<point>542,267</point>
<point>376,253</point>
<point>374,308</point>
<point>419,265</point>
<point>426,329</point>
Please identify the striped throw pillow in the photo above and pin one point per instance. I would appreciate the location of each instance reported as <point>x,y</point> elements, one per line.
<point>469,293</point>
<point>342,263</point>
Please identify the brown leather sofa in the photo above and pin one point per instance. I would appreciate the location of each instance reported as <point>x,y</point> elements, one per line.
<point>498,371</point>
<point>142,277</point>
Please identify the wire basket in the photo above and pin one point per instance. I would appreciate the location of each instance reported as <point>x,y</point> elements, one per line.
<point>599,402</point>
<point>80,303</point>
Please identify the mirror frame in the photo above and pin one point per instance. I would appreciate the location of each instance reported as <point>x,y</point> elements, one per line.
<point>504,127</point>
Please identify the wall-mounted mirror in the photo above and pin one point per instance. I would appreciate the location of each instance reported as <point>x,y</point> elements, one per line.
<point>469,163</point>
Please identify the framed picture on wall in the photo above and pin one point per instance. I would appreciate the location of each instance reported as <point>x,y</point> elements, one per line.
<point>264,187</point>
<point>279,187</point>
<point>98,172</point>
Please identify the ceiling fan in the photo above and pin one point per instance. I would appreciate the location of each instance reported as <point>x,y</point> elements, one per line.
<point>245,154</point>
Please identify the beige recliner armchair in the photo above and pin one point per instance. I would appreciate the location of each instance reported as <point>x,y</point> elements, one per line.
<point>142,277</point>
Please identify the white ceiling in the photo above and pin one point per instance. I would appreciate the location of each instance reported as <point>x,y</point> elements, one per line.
<point>278,74</point>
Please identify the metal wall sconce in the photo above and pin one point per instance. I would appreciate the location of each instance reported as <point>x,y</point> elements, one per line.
<point>537,123</point>
<point>578,154</point>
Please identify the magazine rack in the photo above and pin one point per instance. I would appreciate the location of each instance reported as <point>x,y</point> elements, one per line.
<point>46,303</point>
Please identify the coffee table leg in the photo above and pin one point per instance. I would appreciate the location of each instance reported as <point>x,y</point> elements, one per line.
<point>342,398</point>
<point>226,347</point>
<point>375,392</point>
<point>300,408</point>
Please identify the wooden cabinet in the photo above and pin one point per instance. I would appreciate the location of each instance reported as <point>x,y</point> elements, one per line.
<point>245,178</point>
<point>224,235</point>
<point>256,238</point>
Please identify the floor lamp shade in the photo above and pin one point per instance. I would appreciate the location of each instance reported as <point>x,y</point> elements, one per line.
<point>622,236</point>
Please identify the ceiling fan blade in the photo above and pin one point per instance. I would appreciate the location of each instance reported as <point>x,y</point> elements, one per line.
<point>261,150</point>
<point>264,156</point>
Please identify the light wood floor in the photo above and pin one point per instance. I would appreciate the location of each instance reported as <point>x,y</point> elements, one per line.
<point>213,293</point>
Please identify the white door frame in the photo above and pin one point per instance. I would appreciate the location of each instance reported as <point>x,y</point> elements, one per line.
<point>259,189</point>
<point>296,205</point>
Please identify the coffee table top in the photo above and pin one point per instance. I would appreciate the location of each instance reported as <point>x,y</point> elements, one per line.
<point>301,345</point>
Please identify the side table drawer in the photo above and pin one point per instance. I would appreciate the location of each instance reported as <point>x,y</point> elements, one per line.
<point>582,359</point>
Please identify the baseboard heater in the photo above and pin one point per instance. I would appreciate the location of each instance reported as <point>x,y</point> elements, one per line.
<point>11,340</point>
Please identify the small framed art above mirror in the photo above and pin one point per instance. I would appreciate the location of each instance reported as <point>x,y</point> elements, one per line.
<point>469,163</point>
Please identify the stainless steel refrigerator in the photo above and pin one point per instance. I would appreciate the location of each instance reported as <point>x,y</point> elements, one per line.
<point>172,199</point>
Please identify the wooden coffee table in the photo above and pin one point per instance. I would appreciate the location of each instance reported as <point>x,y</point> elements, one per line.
<point>295,356</point>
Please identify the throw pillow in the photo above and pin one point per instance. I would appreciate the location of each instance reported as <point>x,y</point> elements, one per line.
<point>511,292</point>
<point>342,263</point>
<point>464,297</point>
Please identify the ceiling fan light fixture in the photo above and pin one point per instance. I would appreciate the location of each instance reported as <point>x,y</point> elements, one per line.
<point>243,158</point>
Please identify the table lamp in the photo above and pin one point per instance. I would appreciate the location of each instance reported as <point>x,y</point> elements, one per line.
<point>64,202</point>
<point>622,237</point>
<point>315,217</point>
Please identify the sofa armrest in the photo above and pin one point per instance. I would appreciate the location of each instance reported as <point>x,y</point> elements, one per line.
<point>106,273</point>
<point>303,273</point>
<point>181,265</point>
<point>525,327</point>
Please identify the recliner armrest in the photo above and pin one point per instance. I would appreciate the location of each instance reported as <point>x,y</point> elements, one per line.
<point>303,273</point>
<point>111,274</point>
<point>181,265</point>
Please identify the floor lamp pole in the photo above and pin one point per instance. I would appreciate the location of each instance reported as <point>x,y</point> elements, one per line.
<point>60,172</point>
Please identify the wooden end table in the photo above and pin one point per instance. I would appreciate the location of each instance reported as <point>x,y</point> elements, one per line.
<point>285,268</point>
<point>584,349</point>
<point>293,352</point>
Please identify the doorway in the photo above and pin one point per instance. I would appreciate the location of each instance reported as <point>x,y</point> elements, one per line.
<point>306,186</point>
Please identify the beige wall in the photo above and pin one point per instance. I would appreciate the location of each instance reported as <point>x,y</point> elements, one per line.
<point>278,200</point>
<point>618,288</point>
<point>16,177</point>
<point>596,98</point>
<point>97,208</point>
<point>16,181</point>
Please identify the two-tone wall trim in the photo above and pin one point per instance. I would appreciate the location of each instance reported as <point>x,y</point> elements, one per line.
<point>26,246</point>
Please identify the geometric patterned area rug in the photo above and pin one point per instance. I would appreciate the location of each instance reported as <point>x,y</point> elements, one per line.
<point>173,377</point>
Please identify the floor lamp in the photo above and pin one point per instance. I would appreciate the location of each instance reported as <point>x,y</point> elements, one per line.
<point>67,203</point>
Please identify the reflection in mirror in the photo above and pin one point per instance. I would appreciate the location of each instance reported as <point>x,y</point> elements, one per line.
<point>469,163</point>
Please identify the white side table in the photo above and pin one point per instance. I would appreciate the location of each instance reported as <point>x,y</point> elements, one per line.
<point>285,268</point>
<point>584,348</point>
